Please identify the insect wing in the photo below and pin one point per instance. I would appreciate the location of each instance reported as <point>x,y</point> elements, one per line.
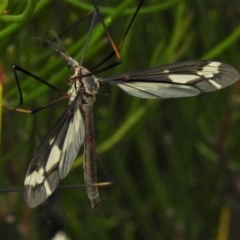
<point>182,79</point>
<point>54,157</point>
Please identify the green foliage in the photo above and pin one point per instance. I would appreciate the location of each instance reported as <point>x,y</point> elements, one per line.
<point>171,161</point>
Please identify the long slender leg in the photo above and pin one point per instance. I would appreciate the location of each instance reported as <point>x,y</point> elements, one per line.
<point>17,68</point>
<point>116,49</point>
<point>32,111</point>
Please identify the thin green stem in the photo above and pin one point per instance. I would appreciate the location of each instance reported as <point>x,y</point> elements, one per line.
<point>222,46</point>
<point>18,24</point>
<point>27,13</point>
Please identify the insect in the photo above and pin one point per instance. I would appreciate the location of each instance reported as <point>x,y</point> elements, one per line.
<point>54,157</point>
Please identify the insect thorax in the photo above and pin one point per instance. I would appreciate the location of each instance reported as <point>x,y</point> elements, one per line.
<point>86,85</point>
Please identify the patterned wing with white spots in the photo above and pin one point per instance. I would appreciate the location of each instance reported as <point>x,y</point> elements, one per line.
<point>182,79</point>
<point>54,157</point>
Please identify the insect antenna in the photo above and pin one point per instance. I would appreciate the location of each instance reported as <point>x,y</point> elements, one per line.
<point>72,26</point>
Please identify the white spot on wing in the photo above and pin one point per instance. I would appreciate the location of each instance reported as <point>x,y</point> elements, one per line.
<point>183,78</point>
<point>47,188</point>
<point>166,71</point>
<point>215,84</point>
<point>36,177</point>
<point>39,176</point>
<point>208,75</point>
<point>206,70</point>
<point>27,180</point>
<point>51,141</point>
<point>53,158</point>
<point>209,70</point>
<point>214,64</point>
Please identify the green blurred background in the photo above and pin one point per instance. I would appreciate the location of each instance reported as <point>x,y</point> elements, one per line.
<point>174,162</point>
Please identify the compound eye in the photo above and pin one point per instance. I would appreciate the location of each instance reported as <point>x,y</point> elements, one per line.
<point>69,64</point>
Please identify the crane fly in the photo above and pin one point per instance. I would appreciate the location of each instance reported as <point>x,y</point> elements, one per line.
<point>54,157</point>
